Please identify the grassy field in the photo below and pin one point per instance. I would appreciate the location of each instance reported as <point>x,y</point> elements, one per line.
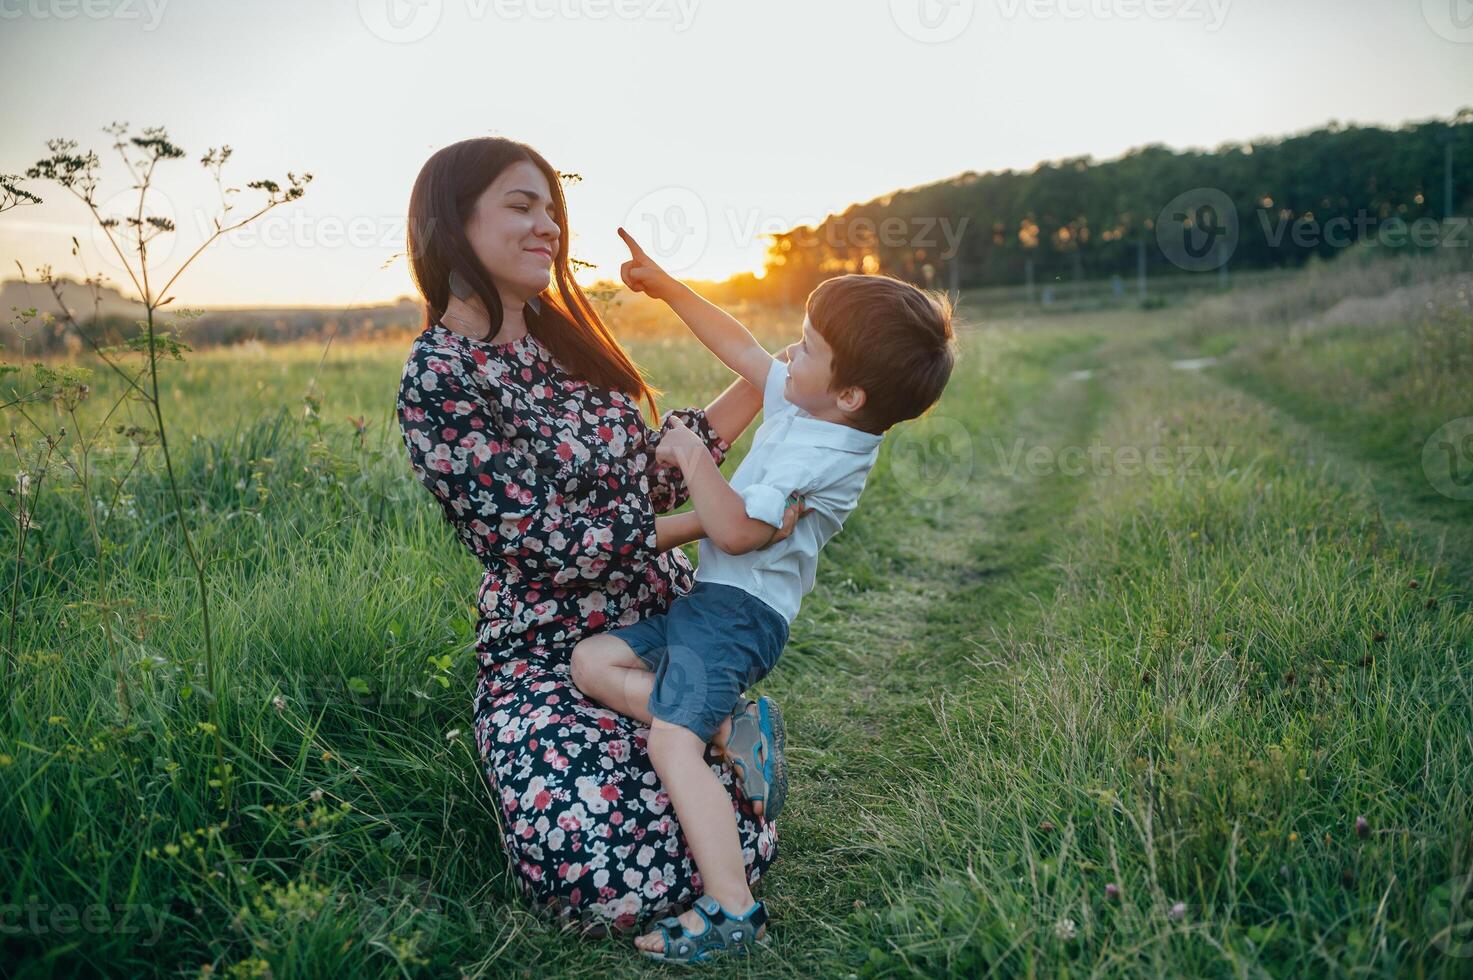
<point>1120,669</point>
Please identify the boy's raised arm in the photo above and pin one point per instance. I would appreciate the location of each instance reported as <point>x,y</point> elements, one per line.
<point>722,333</point>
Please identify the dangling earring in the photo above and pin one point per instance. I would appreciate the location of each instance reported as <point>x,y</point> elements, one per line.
<point>459,288</point>
<point>536,304</point>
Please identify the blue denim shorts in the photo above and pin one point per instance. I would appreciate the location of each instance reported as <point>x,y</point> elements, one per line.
<point>710,645</point>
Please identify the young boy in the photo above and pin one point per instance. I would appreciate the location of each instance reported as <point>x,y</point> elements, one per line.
<point>874,351</point>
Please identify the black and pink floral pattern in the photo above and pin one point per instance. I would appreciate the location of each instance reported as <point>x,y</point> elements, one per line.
<point>551,482</point>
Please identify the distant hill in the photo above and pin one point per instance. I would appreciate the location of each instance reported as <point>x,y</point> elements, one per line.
<point>117,315</point>
<point>15,294</point>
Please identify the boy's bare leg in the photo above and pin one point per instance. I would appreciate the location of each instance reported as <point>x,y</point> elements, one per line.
<point>609,672</point>
<point>703,807</point>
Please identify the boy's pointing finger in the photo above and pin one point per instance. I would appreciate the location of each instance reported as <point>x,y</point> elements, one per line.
<point>634,248</point>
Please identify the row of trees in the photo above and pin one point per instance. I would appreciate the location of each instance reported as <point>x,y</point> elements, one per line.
<point>1307,194</point>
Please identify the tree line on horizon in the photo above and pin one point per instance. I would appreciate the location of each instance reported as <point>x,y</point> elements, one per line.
<point>1293,197</point>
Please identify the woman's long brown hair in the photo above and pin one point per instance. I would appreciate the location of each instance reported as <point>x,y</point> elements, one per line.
<point>446,190</point>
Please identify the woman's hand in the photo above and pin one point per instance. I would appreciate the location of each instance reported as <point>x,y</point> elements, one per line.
<point>642,274</point>
<point>679,445</point>
<point>796,509</point>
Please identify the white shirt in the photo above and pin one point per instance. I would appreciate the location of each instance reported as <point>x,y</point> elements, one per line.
<point>792,453</point>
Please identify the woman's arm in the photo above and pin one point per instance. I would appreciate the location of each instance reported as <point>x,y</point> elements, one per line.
<point>734,409</point>
<point>676,530</point>
<point>679,529</point>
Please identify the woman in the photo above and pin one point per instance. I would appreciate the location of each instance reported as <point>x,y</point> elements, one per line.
<point>522,415</point>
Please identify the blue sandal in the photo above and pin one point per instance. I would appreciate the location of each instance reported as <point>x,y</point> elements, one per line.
<point>755,750</point>
<point>724,934</point>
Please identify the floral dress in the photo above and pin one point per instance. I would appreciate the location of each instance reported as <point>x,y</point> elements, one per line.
<point>552,484</point>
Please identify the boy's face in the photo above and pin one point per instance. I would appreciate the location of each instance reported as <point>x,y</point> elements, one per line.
<point>810,369</point>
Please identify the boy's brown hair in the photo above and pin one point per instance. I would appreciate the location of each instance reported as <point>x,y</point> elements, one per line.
<point>890,338</point>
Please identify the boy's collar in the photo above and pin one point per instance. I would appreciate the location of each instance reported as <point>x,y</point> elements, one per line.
<point>833,435</point>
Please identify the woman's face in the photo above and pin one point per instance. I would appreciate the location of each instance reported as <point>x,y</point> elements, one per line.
<point>514,232</point>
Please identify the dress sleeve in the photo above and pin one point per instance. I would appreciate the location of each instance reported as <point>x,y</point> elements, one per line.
<point>505,500</point>
<point>667,485</point>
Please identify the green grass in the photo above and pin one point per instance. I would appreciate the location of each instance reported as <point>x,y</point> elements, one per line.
<point>1015,685</point>
<point>1372,397</point>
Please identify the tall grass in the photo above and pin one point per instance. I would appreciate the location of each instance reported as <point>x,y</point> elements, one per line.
<point>1210,721</point>
<point>1232,741</point>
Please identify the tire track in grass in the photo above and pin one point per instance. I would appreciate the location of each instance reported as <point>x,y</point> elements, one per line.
<point>1441,530</point>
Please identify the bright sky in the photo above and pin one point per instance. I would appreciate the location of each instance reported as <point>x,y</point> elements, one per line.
<point>721,119</point>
